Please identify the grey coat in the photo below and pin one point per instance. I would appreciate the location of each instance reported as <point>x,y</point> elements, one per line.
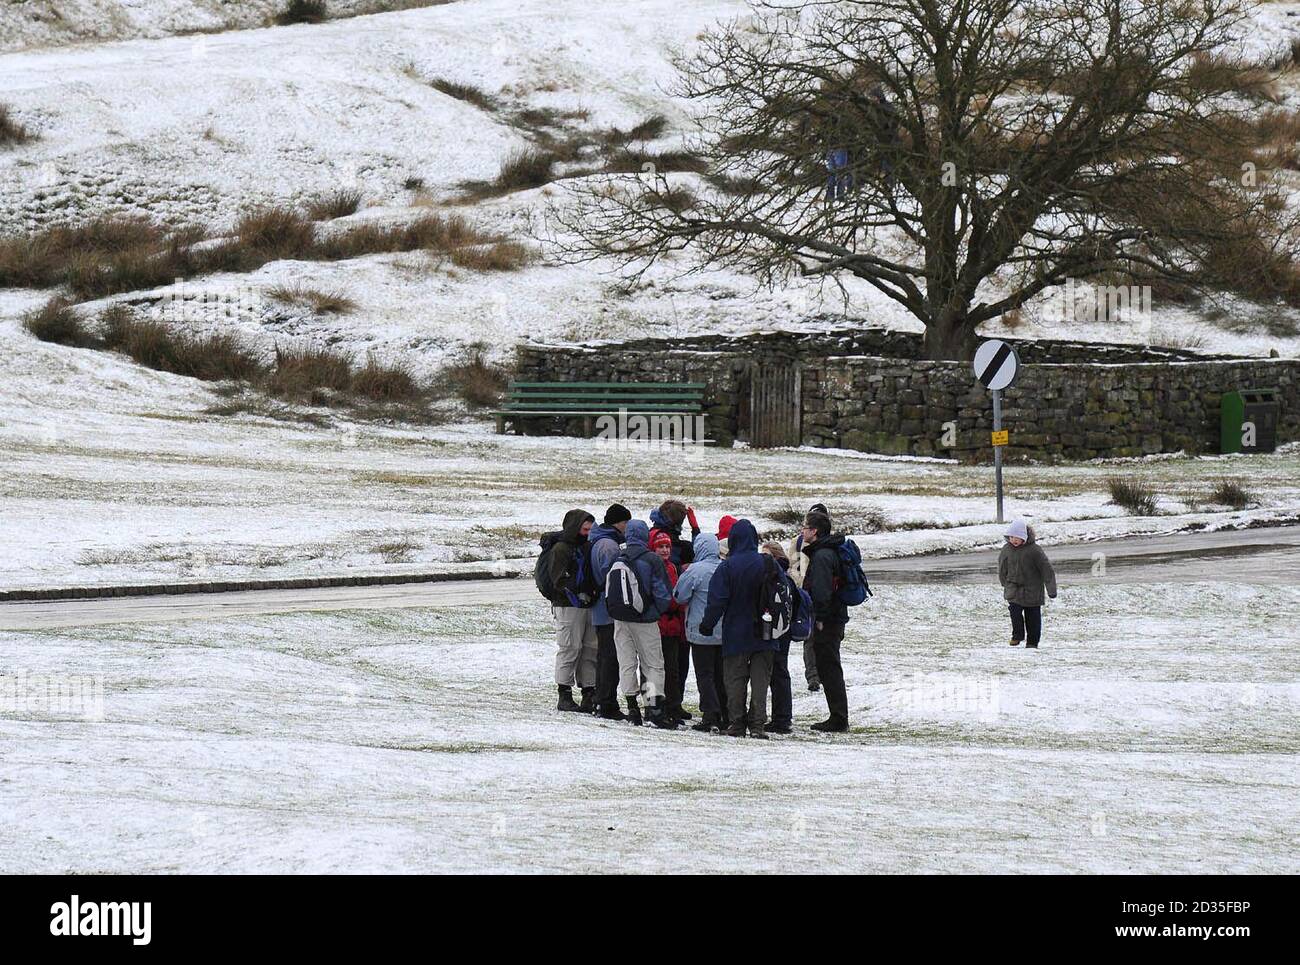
<point>1023,571</point>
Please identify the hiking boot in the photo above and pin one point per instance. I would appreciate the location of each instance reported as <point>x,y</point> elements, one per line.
<point>588,705</point>
<point>1031,646</point>
<point>757,733</point>
<point>814,687</point>
<point>684,714</point>
<point>610,711</point>
<point>832,725</point>
<point>736,728</point>
<point>566,700</point>
<point>658,715</point>
<point>709,723</point>
<point>633,713</point>
<point>1015,643</point>
<point>782,728</point>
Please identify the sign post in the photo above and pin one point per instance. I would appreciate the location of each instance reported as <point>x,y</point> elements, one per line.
<point>997,450</point>
<point>996,367</point>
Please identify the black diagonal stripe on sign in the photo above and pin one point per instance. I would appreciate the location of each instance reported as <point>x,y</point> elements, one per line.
<point>991,369</point>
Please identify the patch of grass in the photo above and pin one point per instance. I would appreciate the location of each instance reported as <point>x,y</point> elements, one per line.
<point>501,256</point>
<point>386,383</point>
<point>788,515</point>
<point>1216,72</point>
<point>272,233</point>
<point>650,129</point>
<point>308,374</point>
<point>464,92</point>
<point>396,551</point>
<point>630,160</point>
<point>413,183</point>
<point>1133,495</point>
<point>1230,493</point>
<point>337,204</point>
<point>56,321</point>
<point>321,302</point>
<point>302,11</point>
<point>476,380</point>
<point>12,131</point>
<point>152,344</point>
<point>524,169</point>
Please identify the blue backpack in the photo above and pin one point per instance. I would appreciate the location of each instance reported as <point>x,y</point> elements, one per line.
<point>801,623</point>
<point>853,589</point>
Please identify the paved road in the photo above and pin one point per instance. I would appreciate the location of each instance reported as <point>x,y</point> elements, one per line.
<point>1263,556</point>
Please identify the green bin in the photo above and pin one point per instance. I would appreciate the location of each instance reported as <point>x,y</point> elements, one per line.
<point>1242,409</point>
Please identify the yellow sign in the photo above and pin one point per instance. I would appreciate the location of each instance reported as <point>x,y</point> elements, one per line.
<point>1001,438</point>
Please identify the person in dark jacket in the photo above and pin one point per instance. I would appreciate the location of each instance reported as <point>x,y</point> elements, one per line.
<point>798,570</point>
<point>575,634</point>
<point>692,592</point>
<point>640,651</point>
<point>672,631</point>
<point>830,616</point>
<point>746,657</point>
<point>782,693</point>
<point>605,540</point>
<point>669,519</point>
<point>1024,572</point>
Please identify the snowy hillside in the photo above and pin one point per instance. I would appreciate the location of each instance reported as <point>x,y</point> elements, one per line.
<point>195,129</point>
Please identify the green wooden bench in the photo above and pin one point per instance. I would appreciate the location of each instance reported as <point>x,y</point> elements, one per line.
<point>587,400</point>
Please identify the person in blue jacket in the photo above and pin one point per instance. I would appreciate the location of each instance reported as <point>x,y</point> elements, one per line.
<point>747,658</point>
<point>692,592</point>
<point>640,650</point>
<point>604,541</point>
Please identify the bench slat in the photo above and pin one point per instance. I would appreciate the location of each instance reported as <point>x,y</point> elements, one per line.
<point>610,397</point>
<point>664,386</point>
<point>599,409</point>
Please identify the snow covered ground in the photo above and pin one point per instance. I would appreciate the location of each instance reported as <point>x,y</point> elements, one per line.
<point>1156,731</point>
<point>110,473</point>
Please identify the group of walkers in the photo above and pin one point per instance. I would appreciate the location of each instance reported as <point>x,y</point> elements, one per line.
<point>637,603</point>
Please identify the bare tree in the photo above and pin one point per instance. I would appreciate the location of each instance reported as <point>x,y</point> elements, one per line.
<point>961,156</point>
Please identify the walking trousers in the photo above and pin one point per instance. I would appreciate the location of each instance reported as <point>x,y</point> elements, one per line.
<point>575,647</point>
<point>606,667</point>
<point>754,669</point>
<point>1026,618</point>
<point>826,644</point>
<point>639,643</point>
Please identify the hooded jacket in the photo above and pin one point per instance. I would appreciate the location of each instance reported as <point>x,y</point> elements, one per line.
<point>650,568</point>
<point>734,591</point>
<point>683,554</point>
<point>692,589</point>
<point>1024,570</point>
<point>820,577</point>
<point>603,543</point>
<point>562,563</point>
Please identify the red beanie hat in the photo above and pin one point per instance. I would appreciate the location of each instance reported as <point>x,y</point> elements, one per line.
<point>660,538</point>
<point>724,526</point>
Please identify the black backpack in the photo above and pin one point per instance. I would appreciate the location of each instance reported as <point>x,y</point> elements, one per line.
<point>775,603</point>
<point>580,586</point>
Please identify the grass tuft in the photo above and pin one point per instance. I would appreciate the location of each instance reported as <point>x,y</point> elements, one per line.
<point>337,204</point>
<point>302,11</point>
<point>1231,493</point>
<point>12,131</point>
<point>56,321</point>
<point>1133,495</point>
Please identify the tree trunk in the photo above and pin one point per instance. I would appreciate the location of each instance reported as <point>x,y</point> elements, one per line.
<point>949,338</point>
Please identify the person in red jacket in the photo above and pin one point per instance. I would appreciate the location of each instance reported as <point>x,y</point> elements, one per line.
<point>672,634</point>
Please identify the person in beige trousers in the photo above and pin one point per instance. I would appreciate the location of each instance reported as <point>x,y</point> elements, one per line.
<point>798,569</point>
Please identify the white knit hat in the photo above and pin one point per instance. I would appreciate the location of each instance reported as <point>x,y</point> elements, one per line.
<point>1018,529</point>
